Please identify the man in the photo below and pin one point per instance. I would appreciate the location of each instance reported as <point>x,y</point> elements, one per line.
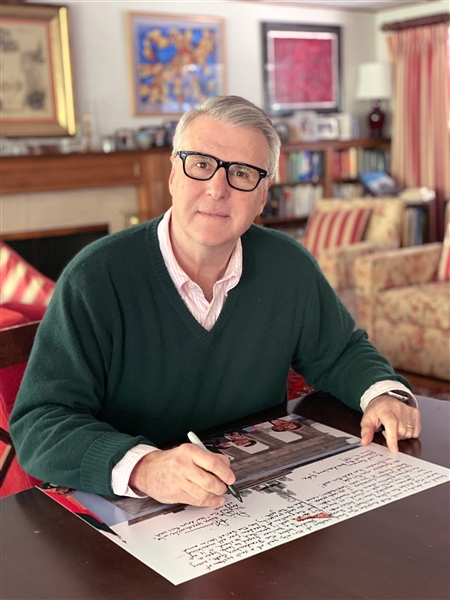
<point>281,425</point>
<point>186,322</point>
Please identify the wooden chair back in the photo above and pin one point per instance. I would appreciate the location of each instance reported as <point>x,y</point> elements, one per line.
<point>16,343</point>
<point>15,347</point>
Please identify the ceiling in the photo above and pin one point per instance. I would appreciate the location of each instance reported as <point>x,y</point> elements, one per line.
<point>364,5</point>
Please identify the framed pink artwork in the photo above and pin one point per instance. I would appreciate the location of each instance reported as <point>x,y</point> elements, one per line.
<point>301,68</point>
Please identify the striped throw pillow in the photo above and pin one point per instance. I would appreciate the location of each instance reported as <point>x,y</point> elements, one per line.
<point>331,229</point>
<point>444,261</point>
<point>20,281</point>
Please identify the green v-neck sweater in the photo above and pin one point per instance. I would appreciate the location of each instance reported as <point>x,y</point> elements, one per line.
<point>119,359</point>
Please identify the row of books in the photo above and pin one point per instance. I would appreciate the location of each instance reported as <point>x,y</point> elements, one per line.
<point>292,201</point>
<point>308,165</point>
<point>299,166</point>
<point>351,161</point>
<point>414,227</point>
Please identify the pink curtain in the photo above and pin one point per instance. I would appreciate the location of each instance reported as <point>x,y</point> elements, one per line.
<point>421,123</point>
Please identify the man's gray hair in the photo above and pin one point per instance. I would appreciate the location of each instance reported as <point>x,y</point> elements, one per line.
<point>237,112</point>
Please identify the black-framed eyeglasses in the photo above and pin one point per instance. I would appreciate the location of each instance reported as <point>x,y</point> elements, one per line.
<point>203,167</point>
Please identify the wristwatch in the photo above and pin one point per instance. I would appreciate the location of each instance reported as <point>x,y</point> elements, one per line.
<point>399,395</point>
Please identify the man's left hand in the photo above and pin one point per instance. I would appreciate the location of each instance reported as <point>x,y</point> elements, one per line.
<point>399,420</point>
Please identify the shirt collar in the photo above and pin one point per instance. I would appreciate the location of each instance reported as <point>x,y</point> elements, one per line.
<point>233,271</point>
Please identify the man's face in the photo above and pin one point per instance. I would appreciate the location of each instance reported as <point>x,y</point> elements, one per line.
<point>211,214</point>
<point>238,439</point>
<point>280,425</point>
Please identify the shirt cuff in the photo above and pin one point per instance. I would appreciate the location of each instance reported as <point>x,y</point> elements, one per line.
<point>381,387</point>
<point>121,473</point>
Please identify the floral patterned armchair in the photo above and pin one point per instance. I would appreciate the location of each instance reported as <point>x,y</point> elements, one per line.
<point>384,232</point>
<point>405,309</point>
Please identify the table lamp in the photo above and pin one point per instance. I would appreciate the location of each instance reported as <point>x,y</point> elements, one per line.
<point>375,84</point>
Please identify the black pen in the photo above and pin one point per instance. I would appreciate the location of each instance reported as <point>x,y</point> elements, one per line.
<point>195,440</point>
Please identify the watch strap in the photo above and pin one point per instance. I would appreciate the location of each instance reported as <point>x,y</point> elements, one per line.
<point>399,395</point>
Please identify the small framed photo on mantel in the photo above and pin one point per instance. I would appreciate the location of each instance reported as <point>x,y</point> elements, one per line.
<point>306,125</point>
<point>327,128</point>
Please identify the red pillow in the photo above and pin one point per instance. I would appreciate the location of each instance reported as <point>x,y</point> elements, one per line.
<point>14,313</point>
<point>331,229</point>
<point>20,281</point>
<point>9,318</point>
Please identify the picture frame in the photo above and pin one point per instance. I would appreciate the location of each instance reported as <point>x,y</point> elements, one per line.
<point>327,128</point>
<point>346,124</point>
<point>306,125</point>
<point>287,129</point>
<point>176,62</point>
<point>301,68</point>
<point>282,127</point>
<point>37,95</point>
<point>125,139</point>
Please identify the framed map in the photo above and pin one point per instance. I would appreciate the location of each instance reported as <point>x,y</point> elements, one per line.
<point>301,68</point>
<point>36,92</point>
<point>176,62</point>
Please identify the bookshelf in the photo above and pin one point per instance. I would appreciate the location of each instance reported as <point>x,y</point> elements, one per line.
<point>419,223</point>
<point>309,171</point>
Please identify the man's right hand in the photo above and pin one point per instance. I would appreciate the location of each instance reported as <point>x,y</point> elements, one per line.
<point>186,474</point>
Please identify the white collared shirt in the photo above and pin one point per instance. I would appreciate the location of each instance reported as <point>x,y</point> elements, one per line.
<point>205,312</point>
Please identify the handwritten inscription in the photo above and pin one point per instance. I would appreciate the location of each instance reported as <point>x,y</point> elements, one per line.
<point>374,484</point>
<point>219,518</point>
<point>354,484</point>
<point>274,528</point>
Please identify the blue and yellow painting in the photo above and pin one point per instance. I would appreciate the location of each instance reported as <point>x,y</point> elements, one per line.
<point>177,65</point>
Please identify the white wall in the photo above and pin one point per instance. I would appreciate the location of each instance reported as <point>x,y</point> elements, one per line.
<point>100,51</point>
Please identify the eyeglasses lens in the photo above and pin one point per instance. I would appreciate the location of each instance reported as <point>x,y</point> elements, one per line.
<point>239,176</point>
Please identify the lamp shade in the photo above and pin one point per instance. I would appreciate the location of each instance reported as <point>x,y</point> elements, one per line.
<point>374,81</point>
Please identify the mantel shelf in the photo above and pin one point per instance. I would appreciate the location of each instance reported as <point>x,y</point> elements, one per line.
<point>148,171</point>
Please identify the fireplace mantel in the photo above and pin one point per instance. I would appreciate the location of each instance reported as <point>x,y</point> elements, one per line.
<point>148,171</point>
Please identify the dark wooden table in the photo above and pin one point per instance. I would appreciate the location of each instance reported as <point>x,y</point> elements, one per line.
<point>398,551</point>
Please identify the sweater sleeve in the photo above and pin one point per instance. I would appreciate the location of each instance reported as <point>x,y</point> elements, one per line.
<point>55,424</point>
<point>331,354</point>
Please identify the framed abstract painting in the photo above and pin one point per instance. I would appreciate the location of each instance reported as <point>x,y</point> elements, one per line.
<point>36,92</point>
<point>301,68</point>
<point>176,62</point>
